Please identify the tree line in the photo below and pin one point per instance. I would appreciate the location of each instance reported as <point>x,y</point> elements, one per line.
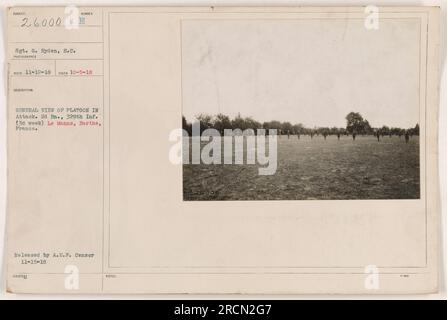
<point>355,125</point>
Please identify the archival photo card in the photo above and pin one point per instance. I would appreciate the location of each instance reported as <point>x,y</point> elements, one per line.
<point>223,150</point>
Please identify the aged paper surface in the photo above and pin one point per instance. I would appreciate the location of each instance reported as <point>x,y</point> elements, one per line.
<point>105,196</point>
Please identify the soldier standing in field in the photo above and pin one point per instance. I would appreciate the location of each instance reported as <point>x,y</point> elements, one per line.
<point>407,137</point>
<point>378,135</point>
<point>338,135</point>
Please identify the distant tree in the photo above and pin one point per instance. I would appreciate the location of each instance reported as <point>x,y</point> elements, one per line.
<point>385,131</point>
<point>186,125</point>
<point>286,128</point>
<point>275,125</point>
<point>416,129</point>
<point>334,130</point>
<point>297,128</point>
<point>324,131</point>
<point>250,123</point>
<point>366,128</point>
<point>238,123</point>
<point>395,131</point>
<point>355,123</point>
<point>221,122</point>
<point>205,120</point>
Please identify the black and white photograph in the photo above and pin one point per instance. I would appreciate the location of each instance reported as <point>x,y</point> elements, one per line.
<point>335,110</point>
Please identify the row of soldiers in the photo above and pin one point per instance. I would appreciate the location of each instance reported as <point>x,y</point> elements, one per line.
<point>377,134</point>
<point>407,135</point>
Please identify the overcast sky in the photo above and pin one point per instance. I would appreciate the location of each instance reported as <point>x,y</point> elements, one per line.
<point>312,72</point>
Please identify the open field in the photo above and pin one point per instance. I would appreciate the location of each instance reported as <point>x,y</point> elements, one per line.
<point>316,169</point>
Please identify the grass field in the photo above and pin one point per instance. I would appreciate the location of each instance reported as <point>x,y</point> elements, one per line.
<point>316,169</point>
